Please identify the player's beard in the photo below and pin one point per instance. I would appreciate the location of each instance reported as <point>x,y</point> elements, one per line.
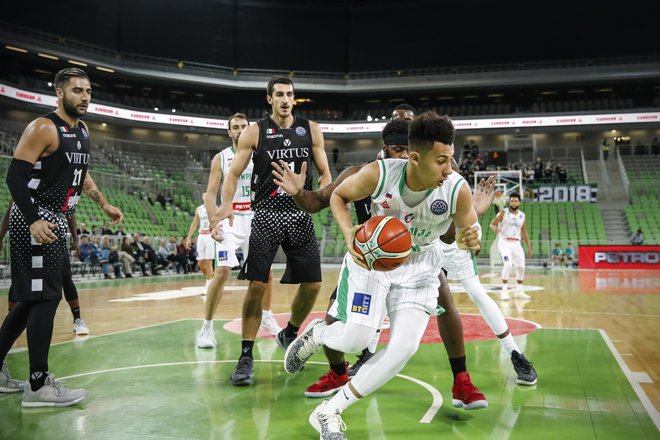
<point>71,110</point>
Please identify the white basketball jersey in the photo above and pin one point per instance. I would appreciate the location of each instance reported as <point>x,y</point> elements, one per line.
<point>428,220</point>
<point>242,197</point>
<point>204,224</point>
<point>512,223</point>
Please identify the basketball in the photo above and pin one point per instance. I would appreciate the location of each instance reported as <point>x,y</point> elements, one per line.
<point>384,242</point>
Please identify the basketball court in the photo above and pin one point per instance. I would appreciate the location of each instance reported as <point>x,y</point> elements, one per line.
<point>592,337</point>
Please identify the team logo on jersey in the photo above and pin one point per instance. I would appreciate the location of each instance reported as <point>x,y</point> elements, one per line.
<point>385,205</point>
<point>361,303</point>
<point>388,196</point>
<point>270,131</point>
<point>300,131</point>
<point>408,218</point>
<point>78,145</point>
<point>85,134</point>
<point>439,207</point>
<point>287,143</point>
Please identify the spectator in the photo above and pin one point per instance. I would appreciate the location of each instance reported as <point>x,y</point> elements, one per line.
<point>82,229</point>
<point>168,198</point>
<point>151,256</point>
<point>528,173</point>
<point>557,256</point>
<point>160,198</point>
<point>182,254</point>
<point>106,230</point>
<point>163,253</point>
<point>105,251</point>
<point>143,253</point>
<point>562,175</point>
<point>474,148</point>
<point>605,148</point>
<point>547,173</point>
<point>88,251</point>
<point>126,257</point>
<point>569,255</point>
<point>120,232</point>
<point>192,257</point>
<point>467,150</point>
<point>538,170</point>
<point>174,256</point>
<point>636,240</point>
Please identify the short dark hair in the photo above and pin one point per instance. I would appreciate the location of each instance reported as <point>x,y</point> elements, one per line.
<point>63,76</point>
<point>396,129</point>
<point>516,195</point>
<point>237,115</point>
<point>429,127</point>
<point>277,80</point>
<point>405,106</point>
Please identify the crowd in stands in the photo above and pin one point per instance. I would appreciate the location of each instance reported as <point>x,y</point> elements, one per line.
<point>566,257</point>
<point>536,173</point>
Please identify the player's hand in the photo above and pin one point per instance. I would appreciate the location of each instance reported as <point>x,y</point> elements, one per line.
<point>350,244</point>
<point>217,233</point>
<point>287,179</point>
<point>529,252</point>
<point>114,213</point>
<point>75,247</point>
<point>186,243</point>
<point>225,211</point>
<point>467,238</point>
<point>483,195</point>
<point>42,231</point>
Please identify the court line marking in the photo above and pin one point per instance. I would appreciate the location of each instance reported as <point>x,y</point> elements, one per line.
<point>635,379</point>
<point>426,418</point>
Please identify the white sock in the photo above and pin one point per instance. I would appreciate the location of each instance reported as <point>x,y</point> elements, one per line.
<point>505,287</point>
<point>509,344</point>
<point>266,314</point>
<point>208,324</point>
<point>342,400</point>
<point>374,342</point>
<point>206,285</point>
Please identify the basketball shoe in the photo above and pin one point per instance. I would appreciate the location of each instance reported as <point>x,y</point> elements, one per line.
<point>328,384</point>
<point>52,393</point>
<point>465,394</point>
<point>328,423</point>
<point>7,383</point>
<point>524,369</point>
<point>302,348</point>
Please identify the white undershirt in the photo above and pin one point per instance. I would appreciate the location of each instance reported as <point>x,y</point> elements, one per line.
<point>412,198</point>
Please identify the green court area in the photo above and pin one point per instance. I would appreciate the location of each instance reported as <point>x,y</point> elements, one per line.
<point>152,383</point>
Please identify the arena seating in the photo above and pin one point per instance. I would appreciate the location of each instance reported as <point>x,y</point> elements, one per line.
<point>644,214</point>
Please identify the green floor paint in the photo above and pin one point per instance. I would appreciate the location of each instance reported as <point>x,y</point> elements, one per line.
<point>582,393</point>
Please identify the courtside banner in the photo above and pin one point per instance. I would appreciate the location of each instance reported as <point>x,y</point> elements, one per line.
<point>619,257</point>
<point>347,128</point>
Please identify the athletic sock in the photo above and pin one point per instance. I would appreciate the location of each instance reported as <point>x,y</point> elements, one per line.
<point>76,312</point>
<point>266,314</point>
<point>339,369</point>
<point>457,365</point>
<point>342,400</point>
<point>291,331</point>
<point>208,323</point>
<point>509,344</point>
<point>37,379</point>
<point>246,349</point>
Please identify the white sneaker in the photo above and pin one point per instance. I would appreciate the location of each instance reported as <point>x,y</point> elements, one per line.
<point>7,384</point>
<point>302,348</point>
<point>521,295</point>
<point>79,327</point>
<point>327,423</point>
<point>206,338</point>
<point>505,295</point>
<point>269,324</point>
<point>52,393</point>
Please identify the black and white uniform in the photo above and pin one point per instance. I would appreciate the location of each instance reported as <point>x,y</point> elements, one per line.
<point>277,220</point>
<point>55,188</point>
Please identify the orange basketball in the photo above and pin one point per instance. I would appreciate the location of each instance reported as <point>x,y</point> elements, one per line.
<point>384,242</point>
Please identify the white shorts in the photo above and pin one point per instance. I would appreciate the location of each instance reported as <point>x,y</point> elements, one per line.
<point>365,297</point>
<point>237,236</point>
<point>205,247</point>
<point>459,264</point>
<point>511,250</point>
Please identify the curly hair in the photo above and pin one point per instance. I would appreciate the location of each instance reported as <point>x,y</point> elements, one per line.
<point>428,128</point>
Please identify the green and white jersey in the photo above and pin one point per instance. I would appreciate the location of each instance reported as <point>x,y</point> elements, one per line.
<point>204,223</point>
<point>429,219</point>
<point>243,197</point>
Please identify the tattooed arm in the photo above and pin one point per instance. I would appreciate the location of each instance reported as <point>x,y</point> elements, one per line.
<point>94,193</point>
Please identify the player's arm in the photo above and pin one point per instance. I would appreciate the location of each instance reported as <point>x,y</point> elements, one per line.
<point>192,228</point>
<point>468,230</point>
<point>94,193</point>
<point>39,137</point>
<point>215,181</point>
<point>294,185</point>
<point>318,155</point>
<point>247,143</point>
<point>355,187</point>
<point>495,224</point>
<point>523,232</point>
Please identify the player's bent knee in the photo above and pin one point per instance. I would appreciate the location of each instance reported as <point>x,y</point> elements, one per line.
<point>316,286</point>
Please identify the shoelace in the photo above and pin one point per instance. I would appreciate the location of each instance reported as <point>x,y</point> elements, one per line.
<point>59,387</point>
<point>332,422</point>
<point>308,347</point>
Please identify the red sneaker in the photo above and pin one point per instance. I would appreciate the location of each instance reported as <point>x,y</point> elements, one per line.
<point>328,384</point>
<point>466,395</point>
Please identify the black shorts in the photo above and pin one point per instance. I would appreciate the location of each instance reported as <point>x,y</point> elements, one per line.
<point>37,269</point>
<point>295,233</point>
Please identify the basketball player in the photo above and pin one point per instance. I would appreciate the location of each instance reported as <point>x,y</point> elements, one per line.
<point>70,290</point>
<point>509,225</point>
<point>395,139</point>
<point>424,193</point>
<point>277,219</point>
<point>233,237</point>
<point>46,178</point>
<point>205,243</point>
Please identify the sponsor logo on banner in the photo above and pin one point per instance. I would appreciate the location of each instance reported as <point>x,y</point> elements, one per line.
<point>619,257</point>
<point>439,207</point>
<point>361,303</point>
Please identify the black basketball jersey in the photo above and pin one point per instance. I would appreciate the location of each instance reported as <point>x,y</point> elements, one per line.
<point>293,145</point>
<point>57,180</point>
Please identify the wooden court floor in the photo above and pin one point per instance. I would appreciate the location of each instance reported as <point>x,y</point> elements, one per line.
<point>622,308</point>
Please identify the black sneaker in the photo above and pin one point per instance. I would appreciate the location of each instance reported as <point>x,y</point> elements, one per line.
<point>243,373</point>
<point>524,370</point>
<point>284,341</point>
<point>362,358</point>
